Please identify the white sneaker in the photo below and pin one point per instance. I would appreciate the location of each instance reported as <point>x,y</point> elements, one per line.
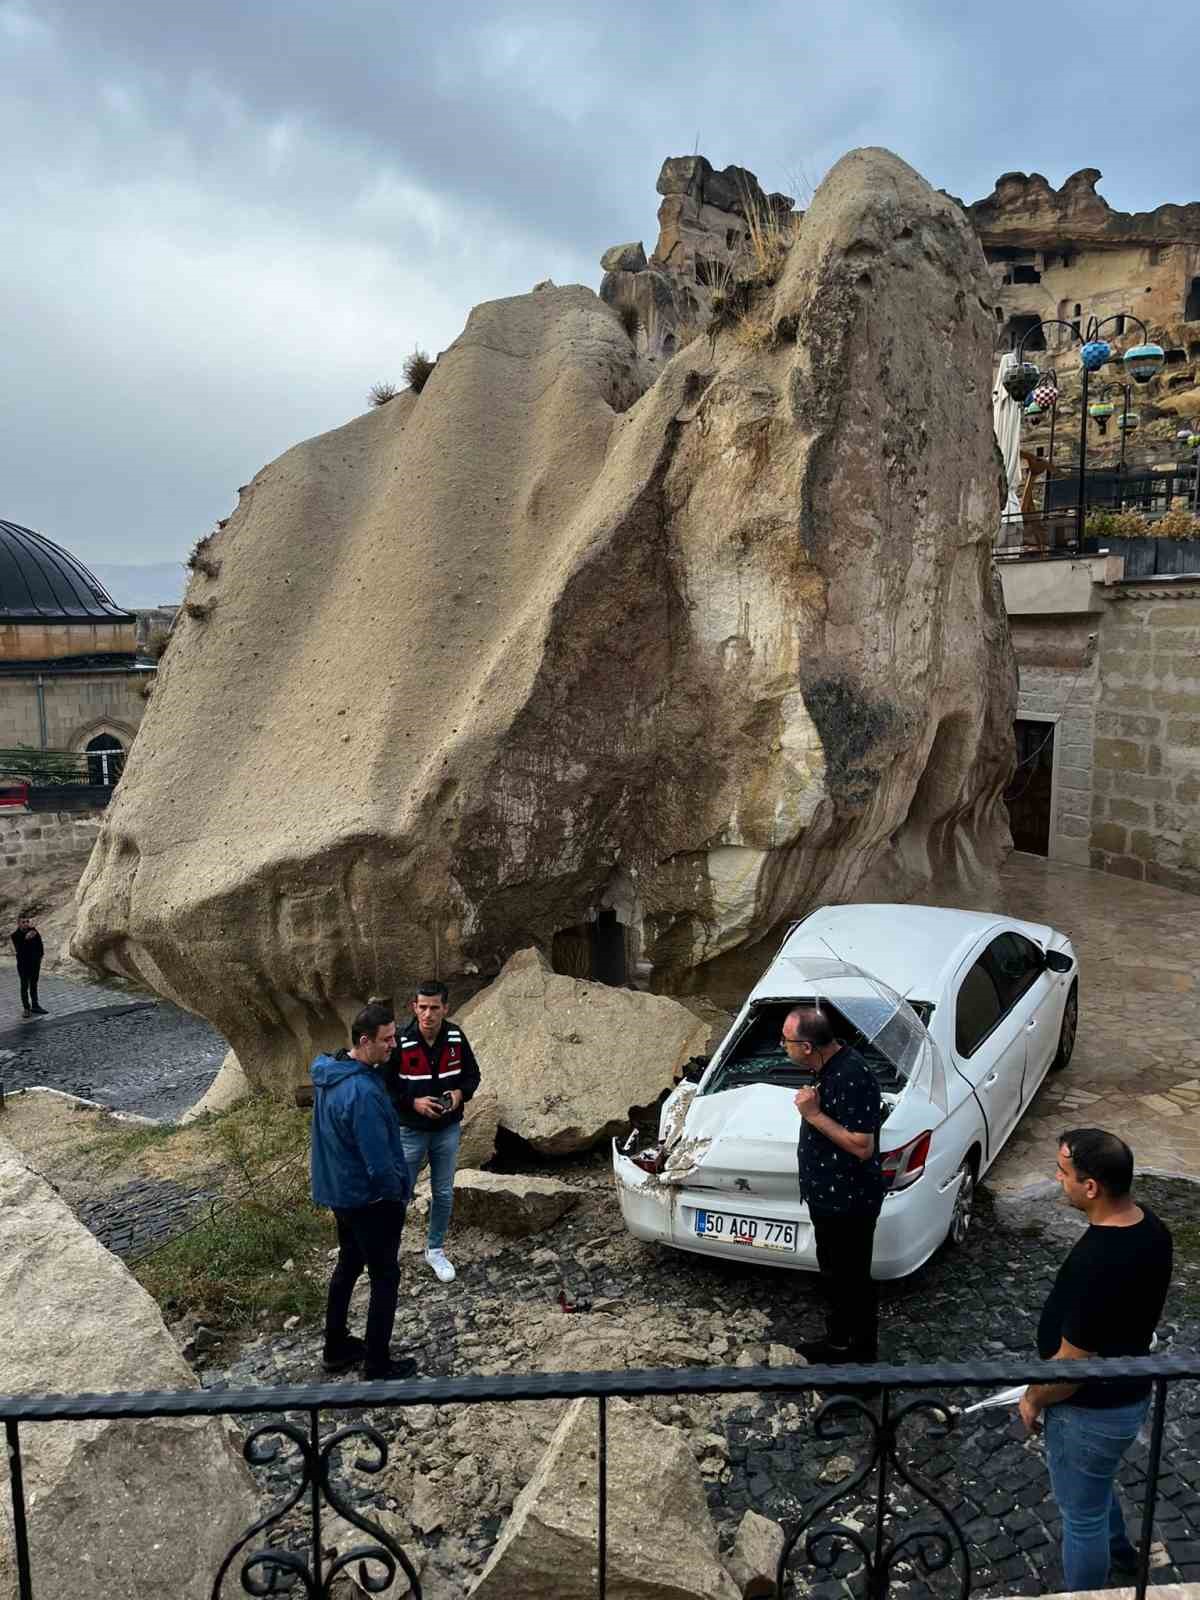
<point>441,1266</point>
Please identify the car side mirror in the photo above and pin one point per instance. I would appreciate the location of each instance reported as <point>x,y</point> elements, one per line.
<point>694,1069</point>
<point>1056,961</point>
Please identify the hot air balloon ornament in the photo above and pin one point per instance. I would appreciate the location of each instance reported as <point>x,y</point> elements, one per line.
<point>1020,381</point>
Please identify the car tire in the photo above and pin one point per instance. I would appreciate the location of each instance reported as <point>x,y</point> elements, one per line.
<point>1066,1034</point>
<point>964,1207</point>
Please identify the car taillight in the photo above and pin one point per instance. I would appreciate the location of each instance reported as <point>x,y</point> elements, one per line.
<point>902,1167</point>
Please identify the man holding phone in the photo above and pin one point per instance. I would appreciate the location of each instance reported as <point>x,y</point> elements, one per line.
<point>431,1075</point>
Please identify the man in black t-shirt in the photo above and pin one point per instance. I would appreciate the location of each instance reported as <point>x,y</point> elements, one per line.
<point>1106,1301</point>
<point>841,1181</point>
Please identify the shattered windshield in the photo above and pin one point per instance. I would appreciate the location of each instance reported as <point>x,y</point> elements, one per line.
<point>882,1025</point>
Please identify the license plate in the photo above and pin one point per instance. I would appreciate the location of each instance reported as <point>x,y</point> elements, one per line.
<point>762,1232</point>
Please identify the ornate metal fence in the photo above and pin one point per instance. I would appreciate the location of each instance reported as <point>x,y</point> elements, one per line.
<point>880,1400</point>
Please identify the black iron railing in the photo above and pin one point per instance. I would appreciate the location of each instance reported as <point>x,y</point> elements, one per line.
<point>871,1397</point>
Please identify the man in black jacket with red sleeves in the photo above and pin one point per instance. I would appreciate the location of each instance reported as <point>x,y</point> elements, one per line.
<point>431,1075</point>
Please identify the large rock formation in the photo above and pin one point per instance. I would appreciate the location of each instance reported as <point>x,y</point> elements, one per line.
<point>129,1509</point>
<point>529,649</point>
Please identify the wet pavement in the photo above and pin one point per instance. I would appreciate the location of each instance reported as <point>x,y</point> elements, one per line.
<point>1136,1066</point>
<point>129,1054</point>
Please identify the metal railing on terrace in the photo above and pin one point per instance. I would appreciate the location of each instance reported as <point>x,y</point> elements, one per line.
<point>59,780</point>
<point>898,1412</point>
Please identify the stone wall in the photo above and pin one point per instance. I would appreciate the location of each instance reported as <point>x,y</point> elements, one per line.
<point>78,705</point>
<point>1146,804</point>
<point>51,641</point>
<point>34,841</point>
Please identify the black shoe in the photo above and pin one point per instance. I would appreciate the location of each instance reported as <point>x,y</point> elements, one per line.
<point>823,1353</point>
<point>1123,1559</point>
<point>40,1011</point>
<point>392,1373</point>
<point>347,1352</point>
<point>26,1012</point>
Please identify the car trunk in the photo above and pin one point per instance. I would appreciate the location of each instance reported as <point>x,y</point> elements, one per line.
<point>740,1142</point>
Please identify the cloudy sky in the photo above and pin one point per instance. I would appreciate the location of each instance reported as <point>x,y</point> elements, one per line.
<point>223,221</point>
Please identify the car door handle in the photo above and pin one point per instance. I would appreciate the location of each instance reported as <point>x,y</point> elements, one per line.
<point>1031,1025</point>
<point>995,1078</point>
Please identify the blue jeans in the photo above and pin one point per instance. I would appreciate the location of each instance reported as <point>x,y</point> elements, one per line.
<point>440,1147</point>
<point>1084,1446</point>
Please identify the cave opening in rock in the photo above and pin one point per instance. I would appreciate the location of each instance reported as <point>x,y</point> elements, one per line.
<point>597,950</point>
<point>1191,310</point>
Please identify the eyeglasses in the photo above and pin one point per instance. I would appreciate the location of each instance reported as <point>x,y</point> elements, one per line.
<point>784,1040</point>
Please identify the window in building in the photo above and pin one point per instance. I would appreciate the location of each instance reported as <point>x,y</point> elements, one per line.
<point>1119,325</point>
<point>1021,324</point>
<point>1176,357</point>
<point>1026,274</point>
<point>1191,311</point>
<point>1153,254</point>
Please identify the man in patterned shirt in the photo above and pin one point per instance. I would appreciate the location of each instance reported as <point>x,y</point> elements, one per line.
<point>841,1181</point>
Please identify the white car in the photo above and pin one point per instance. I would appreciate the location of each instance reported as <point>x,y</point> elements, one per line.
<point>959,1014</point>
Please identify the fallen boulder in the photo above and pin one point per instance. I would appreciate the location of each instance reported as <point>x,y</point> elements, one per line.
<point>688,660</point>
<point>481,1118</point>
<point>661,1541</point>
<point>135,1509</point>
<point>754,1559</point>
<point>570,1059</point>
<point>510,1203</point>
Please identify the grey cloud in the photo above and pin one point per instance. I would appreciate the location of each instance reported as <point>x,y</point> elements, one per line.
<point>226,219</point>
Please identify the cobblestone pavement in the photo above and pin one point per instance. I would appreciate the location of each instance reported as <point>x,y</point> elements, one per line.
<point>130,1055</point>
<point>132,1218</point>
<point>761,1452</point>
<point>59,996</point>
<point>1136,1067</point>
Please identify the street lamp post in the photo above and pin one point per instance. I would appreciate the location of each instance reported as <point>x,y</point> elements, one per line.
<point>1141,362</point>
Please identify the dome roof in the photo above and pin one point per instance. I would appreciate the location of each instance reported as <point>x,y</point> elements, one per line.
<point>40,582</point>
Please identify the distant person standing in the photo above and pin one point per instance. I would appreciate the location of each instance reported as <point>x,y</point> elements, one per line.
<point>27,943</point>
<point>1106,1301</point>
<point>431,1076</point>
<point>841,1181</point>
<point>360,1171</point>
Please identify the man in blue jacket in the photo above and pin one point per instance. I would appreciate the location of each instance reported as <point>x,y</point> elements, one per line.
<point>359,1171</point>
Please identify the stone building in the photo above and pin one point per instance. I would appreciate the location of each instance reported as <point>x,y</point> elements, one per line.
<point>1065,254</point>
<point>1108,718</point>
<point>71,674</point>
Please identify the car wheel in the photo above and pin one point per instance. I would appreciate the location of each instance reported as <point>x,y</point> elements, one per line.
<point>1066,1034</point>
<point>964,1206</point>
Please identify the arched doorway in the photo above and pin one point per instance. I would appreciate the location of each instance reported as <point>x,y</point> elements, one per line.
<point>105,759</point>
